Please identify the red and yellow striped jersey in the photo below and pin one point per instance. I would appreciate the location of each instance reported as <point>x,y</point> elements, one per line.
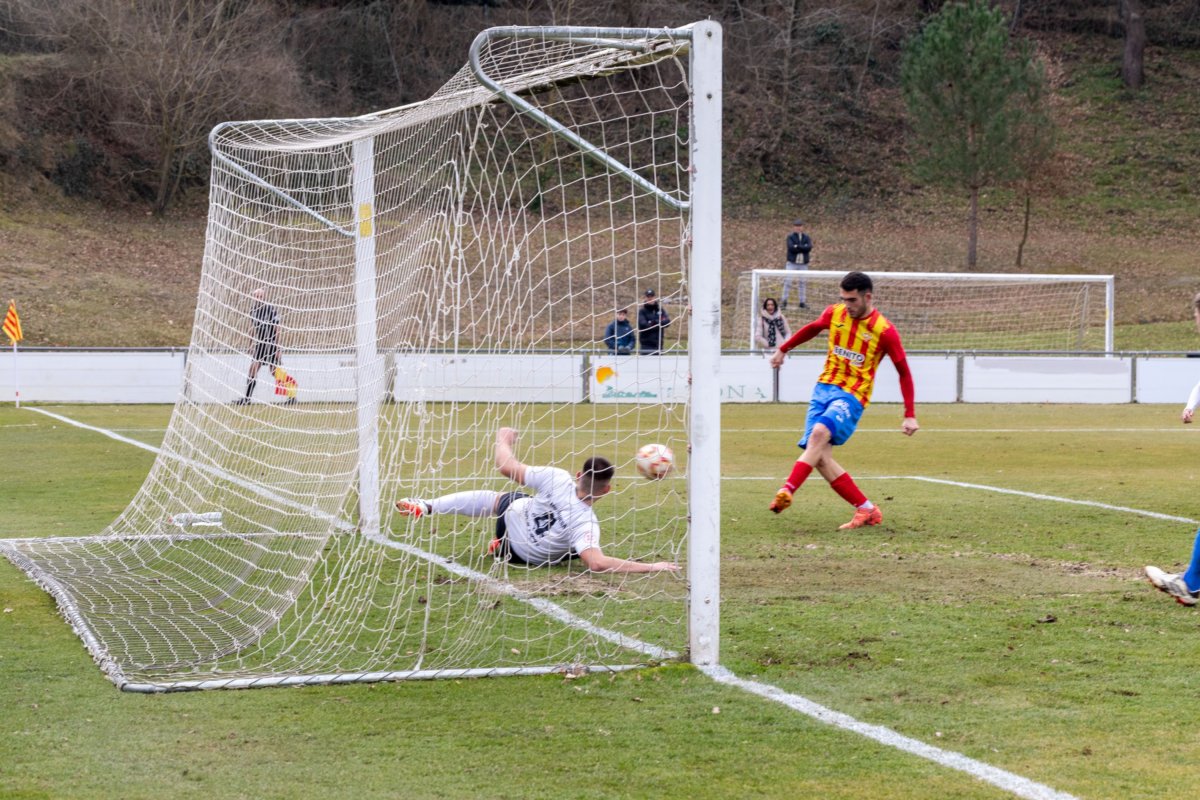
<point>856,346</point>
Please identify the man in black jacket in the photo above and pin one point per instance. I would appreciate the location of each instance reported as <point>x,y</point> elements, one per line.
<point>652,318</point>
<point>799,245</point>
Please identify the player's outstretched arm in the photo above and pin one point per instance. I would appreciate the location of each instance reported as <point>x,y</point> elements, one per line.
<point>506,461</point>
<point>801,336</point>
<point>596,561</point>
<point>1193,400</point>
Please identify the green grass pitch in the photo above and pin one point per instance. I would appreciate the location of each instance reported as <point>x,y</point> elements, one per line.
<point>1010,628</point>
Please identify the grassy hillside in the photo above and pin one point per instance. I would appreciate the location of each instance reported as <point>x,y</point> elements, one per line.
<point>1122,201</point>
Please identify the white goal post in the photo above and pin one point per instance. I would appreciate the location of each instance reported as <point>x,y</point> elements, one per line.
<point>358,273</point>
<point>952,311</point>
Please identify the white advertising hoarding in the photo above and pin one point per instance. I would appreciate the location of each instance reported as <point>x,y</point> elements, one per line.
<point>1047,380</point>
<point>489,378</point>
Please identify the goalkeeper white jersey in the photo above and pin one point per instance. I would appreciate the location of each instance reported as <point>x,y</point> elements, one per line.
<point>554,523</point>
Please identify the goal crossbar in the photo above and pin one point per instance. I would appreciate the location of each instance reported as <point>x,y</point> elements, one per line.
<point>642,40</point>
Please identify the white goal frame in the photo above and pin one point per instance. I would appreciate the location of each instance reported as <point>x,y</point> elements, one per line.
<point>701,251</point>
<point>1107,281</point>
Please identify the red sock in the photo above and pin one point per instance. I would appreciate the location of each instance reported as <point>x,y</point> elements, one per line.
<point>848,489</point>
<point>800,473</point>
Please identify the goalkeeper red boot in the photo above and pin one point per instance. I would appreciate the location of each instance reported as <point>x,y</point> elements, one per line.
<point>412,508</point>
<point>862,517</point>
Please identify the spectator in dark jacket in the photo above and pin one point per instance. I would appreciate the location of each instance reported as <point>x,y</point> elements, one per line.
<point>618,336</point>
<point>652,318</point>
<point>799,245</point>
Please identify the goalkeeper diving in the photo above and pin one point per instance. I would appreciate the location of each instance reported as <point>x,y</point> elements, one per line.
<point>555,525</point>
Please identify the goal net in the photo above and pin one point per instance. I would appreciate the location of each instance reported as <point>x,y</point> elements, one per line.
<point>410,282</point>
<point>947,311</point>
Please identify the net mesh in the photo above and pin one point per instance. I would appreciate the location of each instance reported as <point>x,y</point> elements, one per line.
<point>256,551</point>
<point>947,311</point>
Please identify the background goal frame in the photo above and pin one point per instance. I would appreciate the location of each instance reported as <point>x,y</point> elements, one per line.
<point>1107,282</point>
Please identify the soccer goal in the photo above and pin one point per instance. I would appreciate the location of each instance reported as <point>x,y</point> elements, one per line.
<point>952,311</point>
<point>411,281</point>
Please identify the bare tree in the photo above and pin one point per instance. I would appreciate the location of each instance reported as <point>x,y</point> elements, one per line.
<point>1132,70</point>
<point>166,71</point>
<point>1042,170</point>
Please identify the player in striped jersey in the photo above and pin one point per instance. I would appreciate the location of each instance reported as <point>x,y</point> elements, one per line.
<point>859,338</point>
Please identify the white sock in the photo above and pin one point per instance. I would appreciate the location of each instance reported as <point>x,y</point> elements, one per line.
<point>867,506</point>
<point>477,503</point>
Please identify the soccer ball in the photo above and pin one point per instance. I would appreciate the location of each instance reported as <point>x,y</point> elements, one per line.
<point>655,461</point>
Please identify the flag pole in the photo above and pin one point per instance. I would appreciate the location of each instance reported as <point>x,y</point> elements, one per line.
<point>12,329</point>
<point>16,381</point>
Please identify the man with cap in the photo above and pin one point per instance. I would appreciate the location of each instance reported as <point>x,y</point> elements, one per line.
<point>799,245</point>
<point>652,318</point>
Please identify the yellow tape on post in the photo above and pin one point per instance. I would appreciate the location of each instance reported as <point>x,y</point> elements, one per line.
<point>364,220</point>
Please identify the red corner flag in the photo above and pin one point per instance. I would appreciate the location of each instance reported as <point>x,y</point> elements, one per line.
<point>12,323</point>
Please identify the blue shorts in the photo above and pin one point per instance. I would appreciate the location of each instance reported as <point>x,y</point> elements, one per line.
<point>836,409</point>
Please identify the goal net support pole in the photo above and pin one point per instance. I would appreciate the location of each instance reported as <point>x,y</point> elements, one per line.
<point>704,491</point>
<point>369,370</point>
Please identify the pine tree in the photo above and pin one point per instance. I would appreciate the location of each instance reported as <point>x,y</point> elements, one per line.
<point>967,90</point>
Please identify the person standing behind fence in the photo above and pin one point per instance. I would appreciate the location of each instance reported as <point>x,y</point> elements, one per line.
<point>799,245</point>
<point>773,327</point>
<point>618,336</point>
<point>652,319</point>
<point>264,334</point>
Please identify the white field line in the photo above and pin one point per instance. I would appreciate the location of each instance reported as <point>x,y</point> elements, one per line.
<point>999,490</point>
<point>102,431</point>
<point>1055,499</point>
<point>892,430</point>
<point>1008,781</point>
<point>896,430</point>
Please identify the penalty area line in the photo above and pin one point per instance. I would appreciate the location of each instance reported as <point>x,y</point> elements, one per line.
<point>1054,498</point>
<point>982,487</point>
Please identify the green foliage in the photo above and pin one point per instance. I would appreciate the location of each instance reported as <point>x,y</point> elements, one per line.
<point>969,98</point>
